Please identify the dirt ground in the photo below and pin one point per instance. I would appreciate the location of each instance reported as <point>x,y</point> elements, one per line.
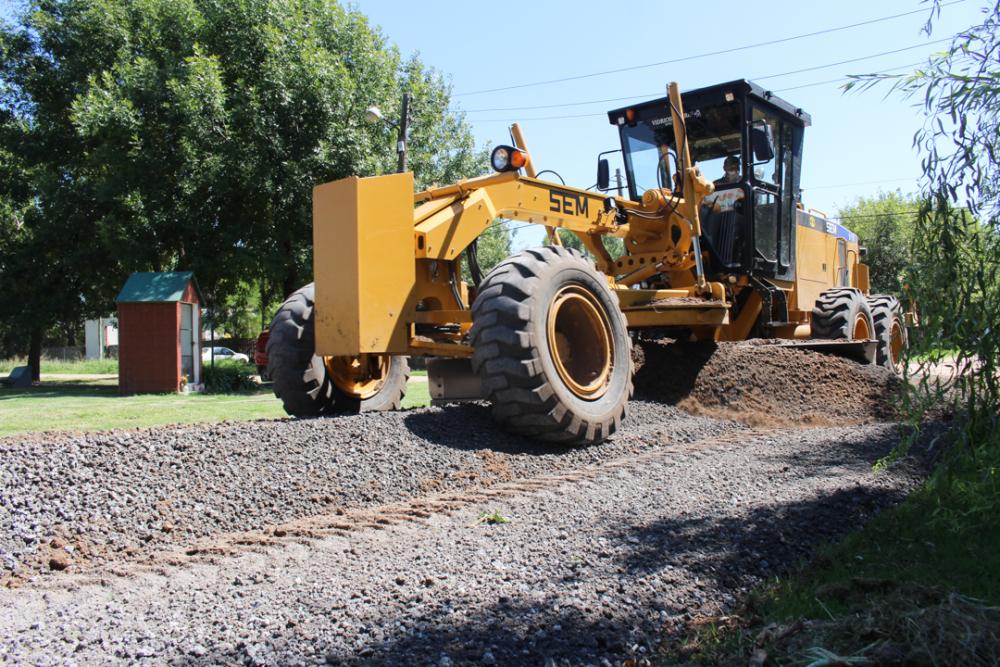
<point>765,385</point>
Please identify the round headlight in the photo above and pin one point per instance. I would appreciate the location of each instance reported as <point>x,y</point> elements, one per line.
<point>501,158</point>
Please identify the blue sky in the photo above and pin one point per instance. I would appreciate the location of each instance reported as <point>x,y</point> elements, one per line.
<point>858,143</point>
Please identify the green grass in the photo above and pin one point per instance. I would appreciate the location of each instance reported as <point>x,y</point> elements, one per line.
<point>417,395</point>
<point>61,367</point>
<point>93,407</point>
<point>902,578</point>
<point>899,548</point>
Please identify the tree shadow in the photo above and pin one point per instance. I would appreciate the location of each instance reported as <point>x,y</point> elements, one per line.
<point>685,362</point>
<point>694,563</point>
<point>61,390</point>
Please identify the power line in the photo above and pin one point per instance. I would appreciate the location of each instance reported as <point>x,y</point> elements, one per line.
<point>844,79</point>
<point>853,60</point>
<point>845,185</point>
<point>911,211</point>
<point>754,78</point>
<point>704,55</point>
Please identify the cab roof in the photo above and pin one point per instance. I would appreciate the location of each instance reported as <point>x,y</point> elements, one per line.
<point>740,88</point>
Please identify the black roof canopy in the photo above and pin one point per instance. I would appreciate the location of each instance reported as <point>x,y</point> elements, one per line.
<point>741,88</point>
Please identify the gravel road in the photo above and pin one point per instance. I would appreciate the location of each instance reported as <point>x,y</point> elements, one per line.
<point>589,569</point>
<point>361,540</point>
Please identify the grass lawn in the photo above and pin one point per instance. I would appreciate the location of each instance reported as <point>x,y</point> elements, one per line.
<point>83,406</point>
<point>61,367</point>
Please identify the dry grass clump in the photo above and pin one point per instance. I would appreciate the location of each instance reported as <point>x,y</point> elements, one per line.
<point>915,627</point>
<point>912,628</point>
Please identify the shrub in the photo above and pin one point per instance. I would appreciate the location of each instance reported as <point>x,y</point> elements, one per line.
<point>226,377</point>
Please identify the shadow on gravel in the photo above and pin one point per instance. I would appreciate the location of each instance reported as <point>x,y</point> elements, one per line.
<point>469,427</point>
<point>512,632</point>
<point>766,542</point>
<point>768,539</point>
<point>673,371</point>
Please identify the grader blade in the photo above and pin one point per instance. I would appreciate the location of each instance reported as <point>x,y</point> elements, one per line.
<point>363,263</point>
<point>859,350</point>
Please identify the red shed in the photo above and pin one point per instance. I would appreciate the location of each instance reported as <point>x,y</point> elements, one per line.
<point>159,328</point>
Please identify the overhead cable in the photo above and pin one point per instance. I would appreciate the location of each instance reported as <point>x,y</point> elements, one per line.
<point>706,54</point>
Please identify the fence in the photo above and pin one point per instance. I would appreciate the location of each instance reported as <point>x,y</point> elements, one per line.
<point>63,353</point>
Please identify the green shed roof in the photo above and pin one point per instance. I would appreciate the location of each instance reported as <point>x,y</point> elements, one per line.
<point>157,287</point>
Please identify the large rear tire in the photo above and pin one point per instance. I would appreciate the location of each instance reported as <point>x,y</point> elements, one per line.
<point>890,331</point>
<point>552,348</point>
<point>842,313</point>
<point>309,385</point>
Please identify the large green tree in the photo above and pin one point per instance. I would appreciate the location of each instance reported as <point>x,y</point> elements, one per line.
<point>884,224</point>
<point>955,272</point>
<point>165,134</point>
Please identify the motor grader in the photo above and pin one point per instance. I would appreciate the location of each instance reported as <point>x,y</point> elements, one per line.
<point>546,336</point>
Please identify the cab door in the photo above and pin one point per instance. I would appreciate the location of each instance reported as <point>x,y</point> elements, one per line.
<point>775,184</point>
<point>843,271</point>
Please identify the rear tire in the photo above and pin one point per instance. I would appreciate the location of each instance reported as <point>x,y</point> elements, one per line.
<point>552,348</point>
<point>890,331</point>
<point>303,381</point>
<point>842,313</point>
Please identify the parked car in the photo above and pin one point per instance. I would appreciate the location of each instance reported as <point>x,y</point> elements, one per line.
<point>221,353</point>
<point>260,354</point>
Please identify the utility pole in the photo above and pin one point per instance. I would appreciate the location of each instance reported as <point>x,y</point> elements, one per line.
<point>401,137</point>
<point>618,180</point>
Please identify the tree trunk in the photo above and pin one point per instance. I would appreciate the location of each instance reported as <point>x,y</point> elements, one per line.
<point>35,354</point>
<point>291,281</point>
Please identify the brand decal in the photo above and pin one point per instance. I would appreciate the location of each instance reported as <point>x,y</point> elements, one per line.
<point>568,203</point>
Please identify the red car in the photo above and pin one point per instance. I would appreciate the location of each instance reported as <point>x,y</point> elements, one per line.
<point>260,354</point>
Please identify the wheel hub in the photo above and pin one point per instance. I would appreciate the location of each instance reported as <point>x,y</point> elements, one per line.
<point>580,342</point>
<point>861,329</point>
<point>360,377</point>
<point>896,344</point>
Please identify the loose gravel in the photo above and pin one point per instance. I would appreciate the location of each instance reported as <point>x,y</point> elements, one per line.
<point>586,572</point>
<point>72,501</point>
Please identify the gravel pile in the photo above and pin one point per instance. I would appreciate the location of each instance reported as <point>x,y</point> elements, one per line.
<point>586,572</point>
<point>765,385</point>
<point>69,501</point>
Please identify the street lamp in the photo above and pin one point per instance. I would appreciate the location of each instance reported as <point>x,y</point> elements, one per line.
<point>374,115</point>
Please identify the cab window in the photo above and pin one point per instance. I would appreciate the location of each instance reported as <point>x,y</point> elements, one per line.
<point>714,133</point>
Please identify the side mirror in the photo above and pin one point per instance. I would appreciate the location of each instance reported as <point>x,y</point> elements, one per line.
<point>762,142</point>
<point>603,174</point>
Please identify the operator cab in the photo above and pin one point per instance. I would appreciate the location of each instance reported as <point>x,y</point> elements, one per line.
<point>748,224</point>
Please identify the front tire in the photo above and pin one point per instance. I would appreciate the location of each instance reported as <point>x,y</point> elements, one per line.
<point>310,385</point>
<point>842,313</point>
<point>890,331</point>
<point>552,348</point>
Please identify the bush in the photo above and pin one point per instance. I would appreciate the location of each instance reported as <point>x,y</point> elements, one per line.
<point>226,377</point>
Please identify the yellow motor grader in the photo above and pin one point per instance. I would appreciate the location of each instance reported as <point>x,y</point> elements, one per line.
<point>717,246</point>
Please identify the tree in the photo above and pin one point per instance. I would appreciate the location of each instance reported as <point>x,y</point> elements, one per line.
<point>955,276</point>
<point>614,245</point>
<point>884,225</point>
<point>492,247</point>
<point>165,134</point>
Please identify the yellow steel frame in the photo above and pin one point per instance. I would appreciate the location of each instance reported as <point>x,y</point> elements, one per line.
<point>388,263</point>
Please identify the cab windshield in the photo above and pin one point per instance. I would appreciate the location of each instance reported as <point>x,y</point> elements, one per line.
<point>713,132</point>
